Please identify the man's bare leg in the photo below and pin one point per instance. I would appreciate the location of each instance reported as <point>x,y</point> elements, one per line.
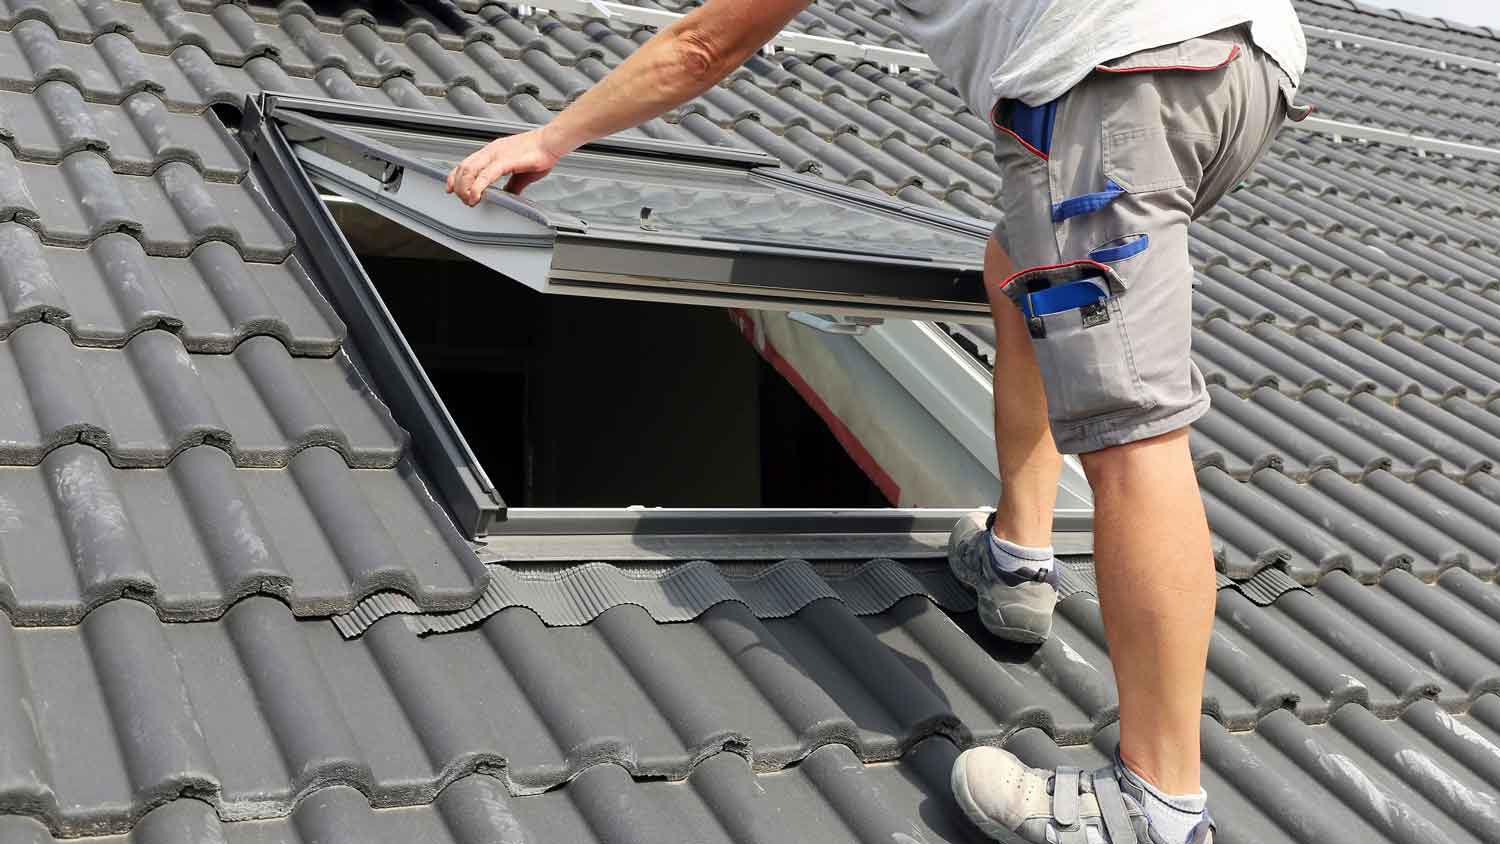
<point>1156,591</point>
<point>1028,460</point>
<point>1151,539</point>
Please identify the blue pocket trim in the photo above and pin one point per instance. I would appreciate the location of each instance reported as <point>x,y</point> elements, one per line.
<point>1088,203</point>
<point>1128,246</point>
<point>1065,297</point>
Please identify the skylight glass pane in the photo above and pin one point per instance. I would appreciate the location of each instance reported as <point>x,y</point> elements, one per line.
<point>635,197</point>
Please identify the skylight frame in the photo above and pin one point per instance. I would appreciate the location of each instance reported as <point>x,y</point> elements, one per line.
<point>456,474</point>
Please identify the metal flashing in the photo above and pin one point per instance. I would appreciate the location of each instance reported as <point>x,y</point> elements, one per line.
<point>576,595</point>
<point>471,499</point>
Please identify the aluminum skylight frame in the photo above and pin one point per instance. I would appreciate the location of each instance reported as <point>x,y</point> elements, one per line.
<point>386,359</point>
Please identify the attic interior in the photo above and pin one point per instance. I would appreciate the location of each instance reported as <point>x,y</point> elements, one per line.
<point>581,402</point>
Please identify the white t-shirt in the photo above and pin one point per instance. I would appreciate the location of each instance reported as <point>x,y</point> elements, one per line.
<point>1036,50</point>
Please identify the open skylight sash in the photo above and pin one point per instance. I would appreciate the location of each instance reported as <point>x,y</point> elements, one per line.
<point>638,222</point>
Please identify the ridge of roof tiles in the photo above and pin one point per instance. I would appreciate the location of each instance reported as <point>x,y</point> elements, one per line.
<point>169,673</point>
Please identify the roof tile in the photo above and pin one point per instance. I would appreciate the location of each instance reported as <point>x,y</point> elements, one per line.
<point>150,400</point>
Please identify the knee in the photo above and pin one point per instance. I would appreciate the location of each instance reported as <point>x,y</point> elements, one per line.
<point>1111,466</point>
<point>1104,466</point>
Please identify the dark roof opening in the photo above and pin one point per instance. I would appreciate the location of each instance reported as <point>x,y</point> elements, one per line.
<point>582,402</point>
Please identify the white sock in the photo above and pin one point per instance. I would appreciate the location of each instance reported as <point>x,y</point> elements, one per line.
<point>1171,816</point>
<point>1012,557</point>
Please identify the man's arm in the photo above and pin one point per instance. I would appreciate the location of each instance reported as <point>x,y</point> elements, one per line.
<point>675,66</point>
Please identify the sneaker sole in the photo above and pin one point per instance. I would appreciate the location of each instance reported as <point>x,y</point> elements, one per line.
<point>959,783</point>
<point>1019,635</point>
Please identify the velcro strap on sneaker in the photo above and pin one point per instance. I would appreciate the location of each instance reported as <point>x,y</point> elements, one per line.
<point>1112,808</point>
<point>1065,787</point>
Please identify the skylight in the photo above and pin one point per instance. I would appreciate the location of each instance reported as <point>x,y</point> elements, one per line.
<point>646,221</point>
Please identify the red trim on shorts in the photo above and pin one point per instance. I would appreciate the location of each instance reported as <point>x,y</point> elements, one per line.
<point>1020,140</point>
<point>846,438</point>
<point>1029,270</point>
<point>1233,53</point>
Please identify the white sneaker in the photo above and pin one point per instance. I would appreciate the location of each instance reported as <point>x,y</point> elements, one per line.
<point>1001,795</point>
<point>1016,607</point>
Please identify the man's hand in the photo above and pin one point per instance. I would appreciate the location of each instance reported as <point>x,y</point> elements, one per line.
<point>524,157</point>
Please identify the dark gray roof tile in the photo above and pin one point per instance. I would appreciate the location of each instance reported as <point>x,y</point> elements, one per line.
<point>1241,545</point>
<point>322,50</point>
<point>1426,551</point>
<point>1334,421</point>
<point>200,535</point>
<point>888,173</point>
<point>966,203</point>
<point>1285,262</point>
<point>145,403</point>
<point>1319,529</point>
<point>1370,259</point>
<point>172,212</point>
<point>832,797</point>
<point>1344,355</point>
<point>209,83</point>
<point>1408,376</point>
<point>1238,255</point>
<point>1225,351</point>
<point>325,705</point>
<point>363,715</point>
<point>136,137</point>
<point>1480,376</point>
<point>107,293</point>
<point>1237,306</point>
<point>1278,298</point>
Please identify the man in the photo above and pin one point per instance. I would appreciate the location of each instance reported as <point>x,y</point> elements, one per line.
<point>1118,122</point>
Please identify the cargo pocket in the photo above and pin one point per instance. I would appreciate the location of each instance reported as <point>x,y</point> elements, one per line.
<point>1140,150</point>
<point>1083,352</point>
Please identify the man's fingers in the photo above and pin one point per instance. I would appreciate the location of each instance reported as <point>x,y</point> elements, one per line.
<point>462,176</point>
<point>486,177</point>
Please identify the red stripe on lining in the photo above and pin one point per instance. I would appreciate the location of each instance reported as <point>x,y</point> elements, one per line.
<point>1020,140</point>
<point>846,438</point>
<point>1233,53</point>
<point>1029,270</point>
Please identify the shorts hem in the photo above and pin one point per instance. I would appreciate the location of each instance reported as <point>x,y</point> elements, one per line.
<point>1094,435</point>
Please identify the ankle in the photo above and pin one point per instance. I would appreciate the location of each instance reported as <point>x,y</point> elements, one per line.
<point>1172,817</point>
<point>1028,531</point>
<point>1024,561</point>
<point>1168,779</point>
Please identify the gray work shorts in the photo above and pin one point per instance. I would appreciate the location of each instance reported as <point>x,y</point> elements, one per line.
<point>1141,147</point>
